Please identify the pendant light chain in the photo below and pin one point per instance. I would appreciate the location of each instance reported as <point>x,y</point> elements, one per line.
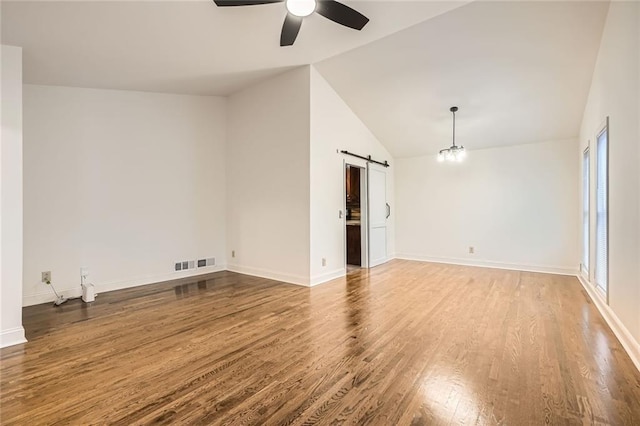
<point>454,128</point>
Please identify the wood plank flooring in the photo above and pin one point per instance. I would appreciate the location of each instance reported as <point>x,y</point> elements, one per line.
<point>406,343</point>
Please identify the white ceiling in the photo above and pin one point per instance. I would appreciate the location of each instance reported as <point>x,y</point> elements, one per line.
<point>519,71</point>
<point>182,46</point>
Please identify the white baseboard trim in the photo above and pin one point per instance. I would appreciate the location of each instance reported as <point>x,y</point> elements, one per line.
<point>559,270</point>
<point>272,275</point>
<point>630,345</point>
<point>323,278</point>
<point>49,297</point>
<point>12,336</point>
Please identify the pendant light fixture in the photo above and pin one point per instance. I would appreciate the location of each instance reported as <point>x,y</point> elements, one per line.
<point>454,152</point>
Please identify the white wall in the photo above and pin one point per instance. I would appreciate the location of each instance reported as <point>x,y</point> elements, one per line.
<point>11,331</point>
<point>124,183</point>
<point>268,178</point>
<point>515,205</point>
<point>334,126</point>
<point>615,92</point>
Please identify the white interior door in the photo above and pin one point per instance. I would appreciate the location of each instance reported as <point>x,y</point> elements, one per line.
<point>378,213</point>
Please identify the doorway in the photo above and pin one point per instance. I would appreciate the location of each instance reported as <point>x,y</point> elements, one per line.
<point>354,203</point>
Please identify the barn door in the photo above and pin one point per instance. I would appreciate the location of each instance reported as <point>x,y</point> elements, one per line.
<point>378,211</point>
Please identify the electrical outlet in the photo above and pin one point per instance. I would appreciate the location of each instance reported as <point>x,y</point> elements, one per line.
<point>46,277</point>
<point>233,253</point>
<point>202,263</point>
<point>472,250</point>
<point>178,266</point>
<point>185,265</point>
<point>324,262</point>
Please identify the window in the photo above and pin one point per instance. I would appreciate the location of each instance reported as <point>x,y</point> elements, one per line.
<point>602,210</point>
<point>585,211</point>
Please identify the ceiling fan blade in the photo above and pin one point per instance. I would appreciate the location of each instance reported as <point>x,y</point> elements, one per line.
<point>244,2</point>
<point>290,29</point>
<point>342,14</point>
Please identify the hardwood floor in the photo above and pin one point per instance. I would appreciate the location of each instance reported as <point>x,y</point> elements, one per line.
<point>404,343</point>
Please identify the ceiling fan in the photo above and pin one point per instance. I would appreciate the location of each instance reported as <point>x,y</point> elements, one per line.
<point>298,9</point>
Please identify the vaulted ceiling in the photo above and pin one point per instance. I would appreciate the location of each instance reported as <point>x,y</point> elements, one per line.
<point>183,46</point>
<point>519,71</point>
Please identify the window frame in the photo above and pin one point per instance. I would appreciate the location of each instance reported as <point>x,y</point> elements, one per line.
<point>586,211</point>
<point>604,130</point>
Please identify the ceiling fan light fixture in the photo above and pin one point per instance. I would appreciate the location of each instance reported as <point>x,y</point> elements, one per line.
<point>297,10</point>
<point>301,8</point>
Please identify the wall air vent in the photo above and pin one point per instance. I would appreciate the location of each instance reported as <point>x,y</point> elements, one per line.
<point>210,261</point>
<point>185,264</point>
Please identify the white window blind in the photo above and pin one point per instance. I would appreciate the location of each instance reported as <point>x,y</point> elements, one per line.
<point>585,211</point>
<point>602,231</point>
